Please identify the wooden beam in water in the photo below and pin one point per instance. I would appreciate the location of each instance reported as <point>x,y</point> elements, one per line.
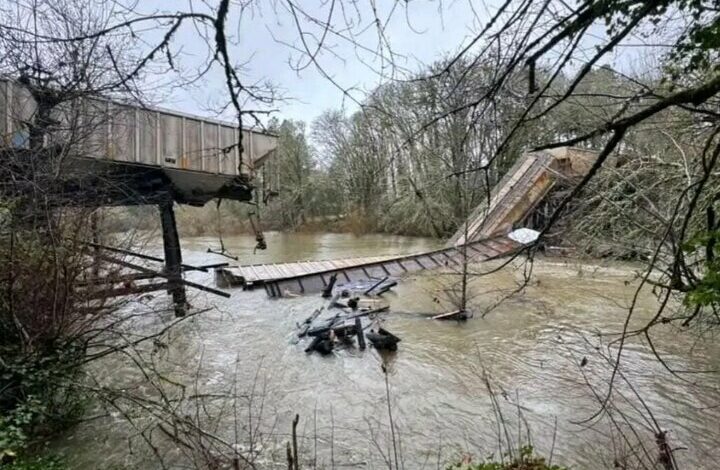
<point>143,269</point>
<point>454,315</point>
<point>185,267</point>
<point>360,333</point>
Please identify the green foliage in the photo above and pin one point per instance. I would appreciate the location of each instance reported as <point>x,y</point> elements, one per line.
<point>14,425</point>
<point>526,460</point>
<point>42,322</point>
<point>697,48</point>
<point>705,291</point>
<point>33,463</point>
<point>37,396</point>
<point>17,434</point>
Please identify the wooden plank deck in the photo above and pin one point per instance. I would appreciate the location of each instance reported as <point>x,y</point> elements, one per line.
<point>282,279</point>
<point>259,273</point>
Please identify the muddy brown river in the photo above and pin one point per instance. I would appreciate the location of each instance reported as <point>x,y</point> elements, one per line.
<point>527,350</point>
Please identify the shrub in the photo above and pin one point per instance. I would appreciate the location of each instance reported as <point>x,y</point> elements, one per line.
<point>525,460</point>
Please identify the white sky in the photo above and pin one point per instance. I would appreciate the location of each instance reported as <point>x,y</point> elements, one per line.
<point>263,31</point>
<point>419,31</point>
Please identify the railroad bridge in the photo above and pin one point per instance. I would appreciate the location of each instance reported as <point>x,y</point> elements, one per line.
<point>118,154</point>
<point>132,155</point>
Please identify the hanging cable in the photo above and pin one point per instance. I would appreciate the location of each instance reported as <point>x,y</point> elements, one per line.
<point>260,243</point>
<point>223,251</point>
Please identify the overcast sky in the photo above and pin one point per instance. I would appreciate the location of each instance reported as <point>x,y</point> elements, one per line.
<point>266,37</point>
<point>419,34</point>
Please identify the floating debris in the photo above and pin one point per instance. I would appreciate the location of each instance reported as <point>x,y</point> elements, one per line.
<point>370,287</point>
<point>323,345</point>
<point>362,304</point>
<point>458,315</point>
<point>383,339</point>
<point>340,328</point>
<point>305,326</point>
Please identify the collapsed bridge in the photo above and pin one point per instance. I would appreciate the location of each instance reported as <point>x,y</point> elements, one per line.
<point>132,155</point>
<point>487,234</point>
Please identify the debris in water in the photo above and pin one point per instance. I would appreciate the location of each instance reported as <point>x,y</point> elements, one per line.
<point>458,315</point>
<point>308,322</point>
<point>342,327</point>
<point>383,339</point>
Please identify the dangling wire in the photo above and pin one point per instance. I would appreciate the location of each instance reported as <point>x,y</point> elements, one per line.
<point>223,252</point>
<point>260,243</point>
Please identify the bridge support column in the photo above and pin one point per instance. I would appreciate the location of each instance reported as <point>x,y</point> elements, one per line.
<point>173,257</point>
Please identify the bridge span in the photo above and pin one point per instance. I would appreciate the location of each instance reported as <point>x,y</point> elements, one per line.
<point>490,232</point>
<point>305,277</point>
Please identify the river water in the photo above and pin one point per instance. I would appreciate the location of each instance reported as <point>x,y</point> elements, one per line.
<point>527,350</point>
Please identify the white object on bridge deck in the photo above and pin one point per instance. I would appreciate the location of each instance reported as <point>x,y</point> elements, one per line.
<point>524,235</point>
<point>138,135</point>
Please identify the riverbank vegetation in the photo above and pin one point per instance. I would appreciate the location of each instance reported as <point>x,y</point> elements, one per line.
<point>527,460</point>
<point>50,317</point>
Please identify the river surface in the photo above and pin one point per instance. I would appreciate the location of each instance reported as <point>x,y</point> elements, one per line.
<point>527,350</point>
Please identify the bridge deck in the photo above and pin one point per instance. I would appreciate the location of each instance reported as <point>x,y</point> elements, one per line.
<point>312,276</point>
<point>256,274</point>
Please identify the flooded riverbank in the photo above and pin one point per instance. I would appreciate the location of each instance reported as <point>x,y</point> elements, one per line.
<point>531,346</point>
